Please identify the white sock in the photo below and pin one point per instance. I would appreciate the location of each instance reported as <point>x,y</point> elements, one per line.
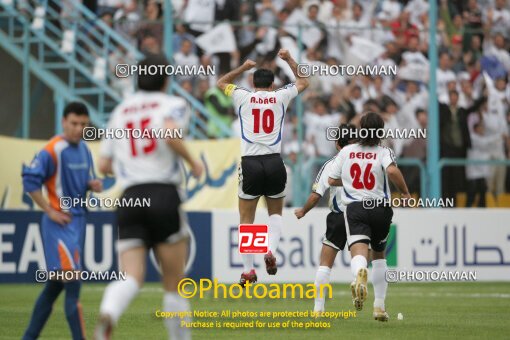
<point>172,302</point>
<point>379,269</point>
<point>117,297</point>
<point>275,232</point>
<point>321,278</point>
<point>358,262</point>
<point>248,262</point>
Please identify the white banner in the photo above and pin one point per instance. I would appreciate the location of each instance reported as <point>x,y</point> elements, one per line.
<point>455,240</point>
<point>427,239</point>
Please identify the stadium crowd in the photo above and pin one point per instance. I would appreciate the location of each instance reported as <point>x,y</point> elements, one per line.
<point>473,65</point>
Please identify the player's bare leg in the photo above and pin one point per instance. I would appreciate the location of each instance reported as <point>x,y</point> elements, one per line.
<point>119,294</point>
<point>379,269</point>
<point>172,259</point>
<point>247,209</point>
<point>327,258</point>
<point>274,210</point>
<point>359,254</point>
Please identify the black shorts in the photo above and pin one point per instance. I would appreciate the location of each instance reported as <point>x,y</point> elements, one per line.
<point>263,175</point>
<point>335,235</point>
<point>368,225</point>
<point>161,221</point>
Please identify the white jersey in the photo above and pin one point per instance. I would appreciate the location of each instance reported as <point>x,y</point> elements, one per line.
<point>148,159</point>
<point>261,115</point>
<point>321,185</point>
<point>363,172</point>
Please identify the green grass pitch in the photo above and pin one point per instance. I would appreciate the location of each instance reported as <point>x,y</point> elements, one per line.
<point>431,311</point>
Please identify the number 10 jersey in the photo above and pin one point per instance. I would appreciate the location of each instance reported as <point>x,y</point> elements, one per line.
<point>261,115</point>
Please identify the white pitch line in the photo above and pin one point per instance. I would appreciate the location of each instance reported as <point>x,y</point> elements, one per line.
<point>421,294</point>
<point>346,292</point>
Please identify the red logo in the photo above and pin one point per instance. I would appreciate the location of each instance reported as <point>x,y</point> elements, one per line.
<point>253,239</point>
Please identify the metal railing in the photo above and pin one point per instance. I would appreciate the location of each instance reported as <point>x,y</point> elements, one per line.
<point>75,53</point>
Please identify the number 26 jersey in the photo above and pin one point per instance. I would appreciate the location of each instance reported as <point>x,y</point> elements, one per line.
<point>363,172</point>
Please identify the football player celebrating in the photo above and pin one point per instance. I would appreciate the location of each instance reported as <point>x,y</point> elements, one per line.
<point>335,237</point>
<point>262,172</point>
<point>148,168</point>
<point>363,170</point>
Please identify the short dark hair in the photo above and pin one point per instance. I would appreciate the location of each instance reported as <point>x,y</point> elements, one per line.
<point>313,5</point>
<point>387,101</point>
<point>418,111</point>
<point>357,4</point>
<point>371,122</point>
<point>372,102</point>
<point>156,81</point>
<point>453,92</point>
<point>320,101</point>
<point>443,52</point>
<point>347,134</point>
<point>263,78</point>
<point>77,108</point>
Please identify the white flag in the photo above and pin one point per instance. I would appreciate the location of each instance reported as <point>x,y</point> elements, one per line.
<point>362,51</point>
<point>219,39</point>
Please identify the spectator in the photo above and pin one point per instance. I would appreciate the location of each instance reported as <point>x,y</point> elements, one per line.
<point>220,108</point>
<point>472,17</point>
<point>153,13</point>
<point>317,123</point>
<point>266,12</point>
<point>454,140</point>
<point>499,16</point>
<point>185,57</point>
<point>496,47</point>
<point>417,149</point>
<point>475,46</point>
<point>454,24</point>
<point>444,75</point>
<point>494,118</point>
<point>150,44</point>
<point>477,174</point>
<point>403,29</point>
<point>358,24</point>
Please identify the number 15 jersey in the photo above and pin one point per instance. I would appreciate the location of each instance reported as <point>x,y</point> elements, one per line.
<point>261,115</point>
<point>148,159</point>
<point>363,172</point>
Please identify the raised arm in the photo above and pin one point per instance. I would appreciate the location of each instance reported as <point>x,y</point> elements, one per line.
<point>229,78</point>
<point>301,83</point>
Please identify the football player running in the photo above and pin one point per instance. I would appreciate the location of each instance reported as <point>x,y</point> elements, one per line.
<point>363,169</point>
